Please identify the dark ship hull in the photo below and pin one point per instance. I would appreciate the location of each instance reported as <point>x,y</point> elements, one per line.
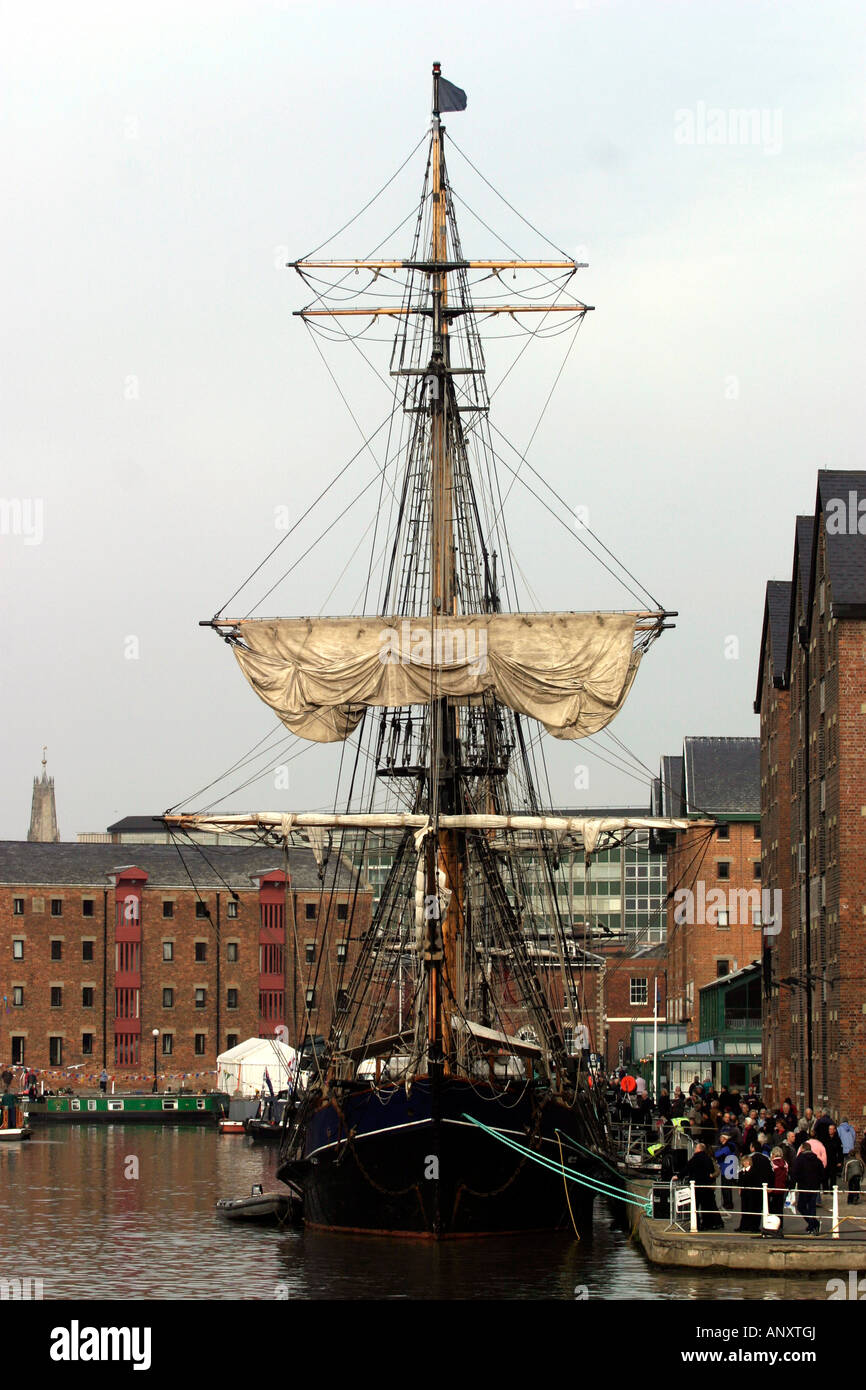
<point>382,1162</point>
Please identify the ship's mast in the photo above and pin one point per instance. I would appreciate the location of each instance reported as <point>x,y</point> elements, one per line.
<point>435,395</point>
<point>444,743</point>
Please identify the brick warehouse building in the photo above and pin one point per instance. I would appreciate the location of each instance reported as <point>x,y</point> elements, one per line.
<point>714,869</point>
<point>631,975</point>
<point>98,948</point>
<point>773,703</point>
<point>814,970</point>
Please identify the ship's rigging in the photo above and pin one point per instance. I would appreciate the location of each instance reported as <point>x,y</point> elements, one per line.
<point>438,696</point>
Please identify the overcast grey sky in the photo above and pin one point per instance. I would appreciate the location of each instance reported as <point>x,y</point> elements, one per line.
<point>159,401</point>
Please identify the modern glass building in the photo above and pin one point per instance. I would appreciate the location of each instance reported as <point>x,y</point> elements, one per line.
<point>622,894</point>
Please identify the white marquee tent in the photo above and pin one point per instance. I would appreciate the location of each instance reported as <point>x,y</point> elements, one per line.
<point>243,1067</point>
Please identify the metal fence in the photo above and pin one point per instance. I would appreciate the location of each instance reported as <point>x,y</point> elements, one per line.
<point>684,1211</point>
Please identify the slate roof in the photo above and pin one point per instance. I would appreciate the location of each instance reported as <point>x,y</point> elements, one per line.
<point>672,786</point>
<point>805,528</point>
<point>83,865</point>
<point>666,800</point>
<point>777,621</point>
<point>753,968</point>
<point>778,613</point>
<point>138,825</point>
<point>723,776</point>
<point>846,547</point>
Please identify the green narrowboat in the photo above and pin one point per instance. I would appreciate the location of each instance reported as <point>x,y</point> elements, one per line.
<point>128,1109</point>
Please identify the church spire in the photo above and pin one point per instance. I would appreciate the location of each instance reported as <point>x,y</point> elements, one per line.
<point>43,812</point>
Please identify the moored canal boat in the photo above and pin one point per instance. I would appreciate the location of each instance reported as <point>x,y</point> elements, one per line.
<point>128,1109</point>
<point>13,1126</point>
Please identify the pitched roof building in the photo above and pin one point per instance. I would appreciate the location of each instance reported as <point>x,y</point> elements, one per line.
<point>713,874</point>
<point>812,701</point>
<point>104,944</point>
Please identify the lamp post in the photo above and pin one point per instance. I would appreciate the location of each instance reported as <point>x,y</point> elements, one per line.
<point>155,1036</point>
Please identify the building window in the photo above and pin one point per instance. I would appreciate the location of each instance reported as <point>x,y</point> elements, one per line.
<point>756,869</point>
<point>310,999</point>
<point>55,1052</point>
<point>232,999</point>
<point>201,998</point>
<point>87,996</point>
<point>168,950</point>
<point>757,830</point>
<point>231,1041</point>
<point>231,909</point>
<point>342,999</point>
<point>56,907</point>
<point>342,950</point>
<point>18,996</point>
<point>87,950</point>
<point>722,917</point>
<point>167,1044</point>
<point>723,967</point>
<point>201,910</point>
<point>57,996</point>
<point>200,1041</point>
<point>723,832</point>
<point>310,952</point>
<point>17,907</point>
<point>201,950</point>
<point>232,952</point>
<point>723,869</point>
<point>87,907</point>
<point>168,909</point>
<point>56,950</point>
<point>17,1051</point>
<point>168,998</point>
<point>87,1044</point>
<point>342,912</point>
<point>638,991</point>
<point>18,949</point>
<point>310,911</point>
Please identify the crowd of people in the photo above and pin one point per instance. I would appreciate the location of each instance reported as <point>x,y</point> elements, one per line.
<point>738,1142</point>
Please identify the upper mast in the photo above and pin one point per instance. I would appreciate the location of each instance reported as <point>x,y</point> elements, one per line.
<point>444,741</point>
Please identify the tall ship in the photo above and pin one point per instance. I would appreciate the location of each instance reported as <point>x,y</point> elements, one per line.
<point>456,1092</point>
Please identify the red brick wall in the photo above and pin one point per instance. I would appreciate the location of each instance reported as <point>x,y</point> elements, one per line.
<point>695,948</point>
<point>620,1013</point>
<point>36,1020</point>
<point>824,923</point>
<point>846,891</point>
<point>515,1016</point>
<point>778,1045</point>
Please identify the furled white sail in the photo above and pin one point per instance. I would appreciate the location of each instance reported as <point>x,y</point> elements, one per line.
<point>570,671</point>
<point>592,830</point>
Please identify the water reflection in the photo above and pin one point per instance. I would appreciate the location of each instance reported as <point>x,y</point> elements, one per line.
<point>128,1212</point>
